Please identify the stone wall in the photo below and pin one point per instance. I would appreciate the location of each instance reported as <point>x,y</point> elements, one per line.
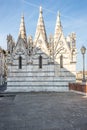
<point>79,87</point>
<point>32,78</point>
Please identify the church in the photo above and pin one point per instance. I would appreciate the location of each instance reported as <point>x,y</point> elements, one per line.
<point>42,63</point>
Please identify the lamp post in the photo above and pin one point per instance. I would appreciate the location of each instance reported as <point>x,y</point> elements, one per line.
<point>83,51</point>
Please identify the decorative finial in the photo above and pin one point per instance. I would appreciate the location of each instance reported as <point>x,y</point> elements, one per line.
<point>40,9</point>
<point>58,19</point>
<point>22,15</point>
<point>58,14</point>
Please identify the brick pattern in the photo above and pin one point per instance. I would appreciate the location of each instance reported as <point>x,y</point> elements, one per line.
<point>78,87</point>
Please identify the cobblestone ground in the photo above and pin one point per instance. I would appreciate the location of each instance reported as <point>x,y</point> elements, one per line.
<point>43,111</point>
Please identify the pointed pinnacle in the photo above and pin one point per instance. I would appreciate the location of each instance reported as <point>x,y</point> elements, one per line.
<point>58,14</point>
<point>58,18</point>
<point>22,31</point>
<point>41,9</point>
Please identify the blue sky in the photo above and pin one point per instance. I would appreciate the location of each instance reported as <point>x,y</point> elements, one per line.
<point>73,18</point>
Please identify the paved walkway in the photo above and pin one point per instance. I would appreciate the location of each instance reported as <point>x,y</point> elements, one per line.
<point>43,111</point>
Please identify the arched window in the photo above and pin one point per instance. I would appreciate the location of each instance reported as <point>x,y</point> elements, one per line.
<point>61,61</point>
<point>40,61</point>
<point>20,62</point>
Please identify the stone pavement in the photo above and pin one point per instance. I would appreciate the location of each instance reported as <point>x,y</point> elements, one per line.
<point>43,111</point>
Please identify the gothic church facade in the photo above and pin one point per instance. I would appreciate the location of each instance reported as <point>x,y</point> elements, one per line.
<point>42,64</point>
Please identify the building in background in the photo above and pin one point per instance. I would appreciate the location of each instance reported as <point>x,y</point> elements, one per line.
<point>42,63</point>
<point>79,76</point>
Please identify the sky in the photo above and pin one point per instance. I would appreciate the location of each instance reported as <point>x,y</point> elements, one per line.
<point>73,19</point>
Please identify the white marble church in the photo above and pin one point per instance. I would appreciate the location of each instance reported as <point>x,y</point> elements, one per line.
<point>41,64</point>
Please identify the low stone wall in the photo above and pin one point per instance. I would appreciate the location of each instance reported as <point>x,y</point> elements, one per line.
<point>80,87</point>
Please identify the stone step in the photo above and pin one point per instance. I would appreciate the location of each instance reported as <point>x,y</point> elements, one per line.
<point>31,74</point>
<point>38,83</point>
<point>40,79</point>
<point>37,88</point>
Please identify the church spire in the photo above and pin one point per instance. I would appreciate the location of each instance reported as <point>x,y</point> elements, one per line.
<point>40,26</point>
<point>58,27</point>
<point>22,30</point>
